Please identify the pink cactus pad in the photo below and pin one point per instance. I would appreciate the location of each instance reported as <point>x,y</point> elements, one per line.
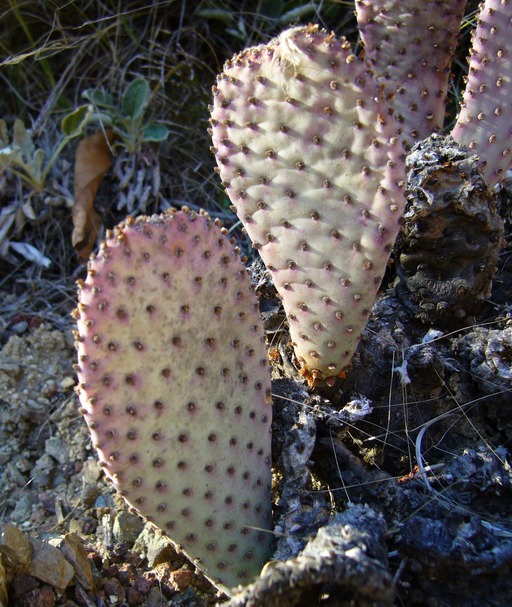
<point>307,151</point>
<point>410,45</point>
<point>484,124</point>
<point>175,389</point>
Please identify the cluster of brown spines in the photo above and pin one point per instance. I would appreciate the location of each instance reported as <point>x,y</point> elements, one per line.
<point>307,152</point>
<point>484,122</point>
<point>175,389</point>
<point>410,45</point>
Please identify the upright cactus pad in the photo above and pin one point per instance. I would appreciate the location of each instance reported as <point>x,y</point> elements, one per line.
<point>410,45</point>
<point>175,389</point>
<point>306,149</point>
<point>484,122</point>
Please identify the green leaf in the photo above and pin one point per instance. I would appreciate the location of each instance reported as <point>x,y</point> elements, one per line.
<point>99,97</point>
<point>20,136</point>
<point>37,164</point>
<point>240,33</point>
<point>124,138</point>
<point>155,132</point>
<point>22,139</point>
<point>7,154</point>
<point>135,98</point>
<point>104,118</point>
<point>216,13</point>
<point>73,124</point>
<point>299,12</point>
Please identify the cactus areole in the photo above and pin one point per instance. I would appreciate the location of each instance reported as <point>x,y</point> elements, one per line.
<point>175,389</point>
<point>306,149</point>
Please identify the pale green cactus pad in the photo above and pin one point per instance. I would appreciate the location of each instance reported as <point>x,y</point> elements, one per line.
<point>410,45</point>
<point>483,125</point>
<point>175,389</point>
<point>307,151</point>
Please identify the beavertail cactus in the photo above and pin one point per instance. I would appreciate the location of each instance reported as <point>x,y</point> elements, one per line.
<point>484,124</point>
<point>175,389</point>
<point>307,151</point>
<point>410,45</point>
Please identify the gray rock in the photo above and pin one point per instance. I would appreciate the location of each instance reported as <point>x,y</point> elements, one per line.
<point>36,412</point>
<point>156,547</point>
<point>15,475</point>
<point>22,464</point>
<point>57,448</point>
<point>91,471</point>
<point>73,550</point>
<point>127,527</point>
<point>10,367</point>
<point>43,470</point>
<point>23,508</point>
<point>5,454</point>
<point>49,565</point>
<point>20,327</point>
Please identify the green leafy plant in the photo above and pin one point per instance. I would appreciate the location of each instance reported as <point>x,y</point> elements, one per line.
<point>127,120</point>
<point>21,156</point>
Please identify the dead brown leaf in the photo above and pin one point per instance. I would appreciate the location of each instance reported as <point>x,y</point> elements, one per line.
<point>92,160</point>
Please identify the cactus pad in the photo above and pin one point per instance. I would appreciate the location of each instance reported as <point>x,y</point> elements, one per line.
<point>483,125</point>
<point>306,149</point>
<point>175,389</point>
<point>410,45</point>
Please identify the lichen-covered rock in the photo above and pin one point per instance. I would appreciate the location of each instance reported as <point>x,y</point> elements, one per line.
<point>450,241</point>
<point>306,147</point>
<point>410,45</point>
<point>175,389</point>
<point>484,125</point>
